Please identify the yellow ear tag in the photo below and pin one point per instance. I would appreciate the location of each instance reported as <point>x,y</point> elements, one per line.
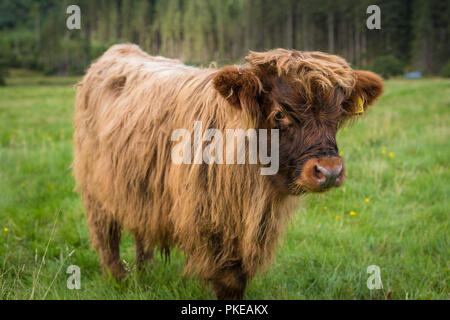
<point>360,106</point>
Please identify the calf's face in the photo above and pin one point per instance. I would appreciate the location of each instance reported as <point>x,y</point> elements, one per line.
<point>307,104</point>
<point>309,155</point>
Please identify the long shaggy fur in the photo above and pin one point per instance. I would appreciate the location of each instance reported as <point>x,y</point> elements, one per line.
<point>222,216</point>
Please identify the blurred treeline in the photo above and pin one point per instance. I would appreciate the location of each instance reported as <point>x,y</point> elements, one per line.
<point>414,35</point>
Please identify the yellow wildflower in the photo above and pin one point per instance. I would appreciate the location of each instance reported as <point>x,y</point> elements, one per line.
<point>338,217</point>
<point>341,153</point>
<point>391,154</point>
<point>352,213</point>
<point>367,200</point>
<point>325,208</point>
<point>5,229</point>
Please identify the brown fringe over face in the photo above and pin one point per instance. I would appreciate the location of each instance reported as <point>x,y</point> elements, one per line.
<point>225,217</point>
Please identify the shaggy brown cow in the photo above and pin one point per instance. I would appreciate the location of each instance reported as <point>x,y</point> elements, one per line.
<point>226,218</point>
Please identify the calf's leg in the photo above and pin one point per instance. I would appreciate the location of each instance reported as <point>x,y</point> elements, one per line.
<point>230,283</point>
<point>105,237</point>
<point>143,254</point>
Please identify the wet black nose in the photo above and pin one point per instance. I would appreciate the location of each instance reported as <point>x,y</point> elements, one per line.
<point>329,176</point>
<point>321,174</point>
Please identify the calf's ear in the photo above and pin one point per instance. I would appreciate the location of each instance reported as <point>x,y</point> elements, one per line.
<point>240,87</point>
<point>368,88</point>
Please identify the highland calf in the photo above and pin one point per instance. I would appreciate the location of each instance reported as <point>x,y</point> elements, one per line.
<point>225,217</point>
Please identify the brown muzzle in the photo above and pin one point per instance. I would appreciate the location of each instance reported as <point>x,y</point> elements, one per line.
<point>321,174</point>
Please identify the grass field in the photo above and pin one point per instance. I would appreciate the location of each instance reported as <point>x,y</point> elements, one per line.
<point>397,189</point>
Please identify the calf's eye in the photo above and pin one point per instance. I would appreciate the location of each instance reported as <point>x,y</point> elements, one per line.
<point>279,115</point>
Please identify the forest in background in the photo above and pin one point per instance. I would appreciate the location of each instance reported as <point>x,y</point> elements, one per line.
<point>414,35</point>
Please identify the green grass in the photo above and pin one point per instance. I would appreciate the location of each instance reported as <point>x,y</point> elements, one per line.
<point>325,254</point>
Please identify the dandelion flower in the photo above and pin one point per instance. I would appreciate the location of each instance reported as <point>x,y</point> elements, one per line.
<point>341,153</point>
<point>352,213</point>
<point>338,217</point>
<point>391,154</point>
<point>22,184</point>
<point>367,200</point>
<point>5,229</point>
<point>325,208</point>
